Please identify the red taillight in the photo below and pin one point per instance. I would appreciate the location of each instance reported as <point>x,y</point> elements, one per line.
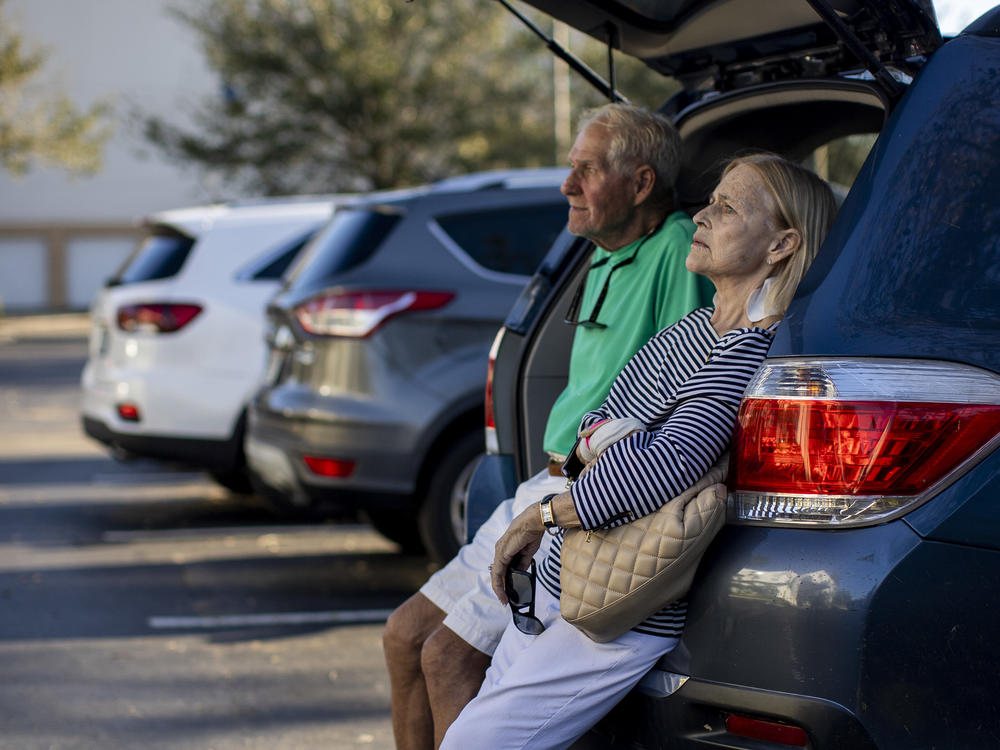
<point>492,445</point>
<point>359,313</point>
<point>156,317</point>
<point>129,412</point>
<point>769,731</point>
<point>854,448</point>
<point>329,467</point>
<point>490,420</point>
<point>850,442</point>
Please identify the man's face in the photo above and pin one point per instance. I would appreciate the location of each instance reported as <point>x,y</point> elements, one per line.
<point>601,201</point>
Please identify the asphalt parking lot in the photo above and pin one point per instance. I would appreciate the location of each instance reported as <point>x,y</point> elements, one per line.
<point>147,607</point>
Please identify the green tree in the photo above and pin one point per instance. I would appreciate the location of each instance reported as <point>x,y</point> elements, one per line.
<point>324,95</point>
<point>37,126</point>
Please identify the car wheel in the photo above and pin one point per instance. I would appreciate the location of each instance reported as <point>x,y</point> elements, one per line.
<point>234,480</point>
<point>397,526</point>
<point>442,513</point>
<point>234,475</point>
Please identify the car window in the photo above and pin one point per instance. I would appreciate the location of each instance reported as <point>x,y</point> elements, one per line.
<point>275,263</point>
<point>510,240</point>
<point>840,160</point>
<point>159,256</point>
<point>350,238</point>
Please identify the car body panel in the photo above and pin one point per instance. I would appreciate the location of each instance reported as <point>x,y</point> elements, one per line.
<point>899,206</point>
<point>363,400</point>
<point>966,512</point>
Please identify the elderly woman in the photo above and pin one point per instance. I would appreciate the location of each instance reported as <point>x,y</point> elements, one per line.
<point>545,688</point>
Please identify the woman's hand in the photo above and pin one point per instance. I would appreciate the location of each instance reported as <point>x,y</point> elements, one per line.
<point>523,537</point>
<point>516,547</point>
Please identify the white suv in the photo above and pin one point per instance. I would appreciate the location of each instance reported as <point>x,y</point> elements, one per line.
<point>177,345</point>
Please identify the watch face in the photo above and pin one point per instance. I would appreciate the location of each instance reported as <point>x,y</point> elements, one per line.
<point>546,508</point>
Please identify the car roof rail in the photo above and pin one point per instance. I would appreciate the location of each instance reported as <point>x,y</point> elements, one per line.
<point>504,178</point>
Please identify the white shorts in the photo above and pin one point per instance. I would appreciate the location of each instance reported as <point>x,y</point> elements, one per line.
<point>543,692</point>
<point>462,587</point>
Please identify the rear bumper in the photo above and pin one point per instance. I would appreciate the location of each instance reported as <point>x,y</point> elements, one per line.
<point>184,403</point>
<point>694,716</point>
<point>386,462</point>
<point>198,452</point>
<point>864,637</point>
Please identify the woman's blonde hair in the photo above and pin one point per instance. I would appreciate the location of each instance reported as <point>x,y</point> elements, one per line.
<point>805,203</point>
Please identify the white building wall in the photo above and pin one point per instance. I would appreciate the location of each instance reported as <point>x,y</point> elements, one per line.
<point>22,272</point>
<point>135,54</point>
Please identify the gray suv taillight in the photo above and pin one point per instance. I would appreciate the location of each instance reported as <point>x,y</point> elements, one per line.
<point>358,313</point>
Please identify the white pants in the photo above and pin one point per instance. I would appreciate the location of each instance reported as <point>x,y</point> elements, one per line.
<point>546,691</point>
<point>462,587</point>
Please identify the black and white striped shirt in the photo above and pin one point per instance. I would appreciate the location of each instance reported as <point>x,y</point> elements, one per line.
<point>685,384</point>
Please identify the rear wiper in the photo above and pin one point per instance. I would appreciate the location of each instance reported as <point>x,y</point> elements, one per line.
<point>606,89</point>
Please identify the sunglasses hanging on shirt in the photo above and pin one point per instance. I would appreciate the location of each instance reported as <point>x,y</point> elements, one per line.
<point>573,314</point>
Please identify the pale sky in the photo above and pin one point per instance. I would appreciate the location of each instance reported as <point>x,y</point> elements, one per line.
<point>955,15</point>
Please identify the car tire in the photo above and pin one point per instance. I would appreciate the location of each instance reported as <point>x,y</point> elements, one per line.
<point>235,480</point>
<point>441,518</point>
<point>397,526</point>
<point>234,474</point>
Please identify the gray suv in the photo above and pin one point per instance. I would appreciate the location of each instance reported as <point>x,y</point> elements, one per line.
<point>373,395</point>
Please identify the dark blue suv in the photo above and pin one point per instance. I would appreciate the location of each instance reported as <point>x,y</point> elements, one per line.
<point>852,601</point>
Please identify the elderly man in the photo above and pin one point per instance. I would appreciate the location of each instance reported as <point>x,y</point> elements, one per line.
<point>623,163</point>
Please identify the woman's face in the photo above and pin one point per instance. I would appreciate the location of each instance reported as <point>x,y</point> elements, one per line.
<point>736,229</point>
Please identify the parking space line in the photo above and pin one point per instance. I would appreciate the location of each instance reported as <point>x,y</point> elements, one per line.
<point>152,477</point>
<point>356,616</point>
<point>210,532</point>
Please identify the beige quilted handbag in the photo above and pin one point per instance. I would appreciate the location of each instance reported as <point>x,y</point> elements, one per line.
<point>614,579</point>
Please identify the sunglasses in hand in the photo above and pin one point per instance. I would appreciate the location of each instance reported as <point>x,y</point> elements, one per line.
<point>520,588</point>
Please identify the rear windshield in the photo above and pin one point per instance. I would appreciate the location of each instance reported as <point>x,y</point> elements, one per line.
<point>510,240</point>
<point>159,256</point>
<point>347,241</point>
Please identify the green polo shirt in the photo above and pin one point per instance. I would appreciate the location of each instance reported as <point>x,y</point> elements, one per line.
<point>651,292</point>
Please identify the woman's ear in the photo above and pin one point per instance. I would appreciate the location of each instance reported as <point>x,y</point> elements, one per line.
<point>786,243</point>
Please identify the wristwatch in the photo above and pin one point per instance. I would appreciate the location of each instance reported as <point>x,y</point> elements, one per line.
<point>545,508</point>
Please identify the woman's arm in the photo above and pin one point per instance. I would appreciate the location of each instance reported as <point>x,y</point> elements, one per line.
<point>639,473</point>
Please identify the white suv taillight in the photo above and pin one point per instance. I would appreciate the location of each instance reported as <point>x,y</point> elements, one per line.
<point>156,317</point>
<point>492,445</point>
<point>359,313</point>
<point>851,442</point>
